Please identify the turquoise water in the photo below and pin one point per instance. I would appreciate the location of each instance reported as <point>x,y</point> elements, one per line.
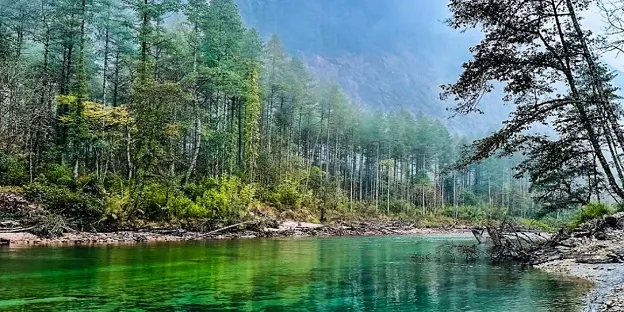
<point>327,274</point>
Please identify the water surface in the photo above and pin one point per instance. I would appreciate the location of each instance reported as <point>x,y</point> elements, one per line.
<point>326,274</point>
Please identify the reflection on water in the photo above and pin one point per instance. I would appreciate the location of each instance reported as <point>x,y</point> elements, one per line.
<point>348,274</point>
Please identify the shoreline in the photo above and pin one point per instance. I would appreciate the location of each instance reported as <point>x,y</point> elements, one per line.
<point>594,252</point>
<point>607,293</point>
<point>286,229</point>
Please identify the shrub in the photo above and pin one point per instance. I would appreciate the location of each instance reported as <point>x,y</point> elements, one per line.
<point>223,198</point>
<point>589,212</point>
<point>475,213</point>
<point>152,202</point>
<point>471,213</point>
<point>58,175</point>
<point>85,210</point>
<point>402,206</point>
<point>90,184</point>
<point>288,194</point>
<point>539,225</point>
<point>12,170</point>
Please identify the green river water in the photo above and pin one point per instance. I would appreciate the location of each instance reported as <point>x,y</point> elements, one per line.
<point>315,274</point>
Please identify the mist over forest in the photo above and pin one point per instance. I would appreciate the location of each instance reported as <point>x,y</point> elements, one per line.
<point>386,55</point>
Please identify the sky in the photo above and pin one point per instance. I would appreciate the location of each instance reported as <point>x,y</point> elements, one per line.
<point>596,22</point>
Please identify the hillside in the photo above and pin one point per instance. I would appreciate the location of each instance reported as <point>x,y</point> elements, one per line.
<point>386,54</point>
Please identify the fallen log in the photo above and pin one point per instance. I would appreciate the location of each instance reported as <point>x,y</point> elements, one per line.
<point>229,227</point>
<point>17,230</point>
<point>478,234</point>
<point>9,224</point>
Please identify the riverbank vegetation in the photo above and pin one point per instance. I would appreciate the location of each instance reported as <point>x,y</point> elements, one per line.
<point>129,112</point>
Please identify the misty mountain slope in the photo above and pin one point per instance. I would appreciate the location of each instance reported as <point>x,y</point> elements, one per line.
<point>385,54</point>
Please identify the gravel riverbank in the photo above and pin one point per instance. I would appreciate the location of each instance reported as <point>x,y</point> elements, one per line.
<point>18,228</point>
<point>281,229</point>
<point>594,252</point>
<point>608,278</point>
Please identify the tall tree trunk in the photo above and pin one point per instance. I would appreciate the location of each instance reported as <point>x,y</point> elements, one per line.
<point>105,66</point>
<point>116,83</point>
<point>587,124</point>
<point>196,149</point>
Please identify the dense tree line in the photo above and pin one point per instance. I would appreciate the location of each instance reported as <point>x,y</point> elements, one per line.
<point>163,110</point>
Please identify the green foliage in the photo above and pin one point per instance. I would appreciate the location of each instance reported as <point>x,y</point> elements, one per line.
<point>117,209</point>
<point>290,194</point>
<point>57,174</point>
<point>227,197</point>
<point>539,225</point>
<point>174,123</point>
<point>469,198</point>
<point>84,209</point>
<point>17,190</point>
<point>153,201</point>
<point>398,206</point>
<point>475,213</point>
<point>433,221</point>
<point>589,212</point>
<point>12,169</point>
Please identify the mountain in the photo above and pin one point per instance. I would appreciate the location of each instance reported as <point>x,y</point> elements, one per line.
<point>385,54</point>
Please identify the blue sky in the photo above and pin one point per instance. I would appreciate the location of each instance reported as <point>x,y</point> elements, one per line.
<point>596,22</point>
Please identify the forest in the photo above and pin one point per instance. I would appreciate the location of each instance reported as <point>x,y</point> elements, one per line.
<point>126,112</point>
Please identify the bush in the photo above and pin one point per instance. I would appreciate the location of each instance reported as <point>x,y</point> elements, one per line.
<point>151,202</point>
<point>475,213</point>
<point>12,170</point>
<point>538,225</point>
<point>85,210</point>
<point>471,213</point>
<point>589,212</point>
<point>287,194</point>
<point>116,208</point>
<point>290,194</point>
<point>58,175</point>
<point>397,206</point>
<point>224,198</point>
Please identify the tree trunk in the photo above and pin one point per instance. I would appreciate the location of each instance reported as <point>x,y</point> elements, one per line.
<point>197,146</point>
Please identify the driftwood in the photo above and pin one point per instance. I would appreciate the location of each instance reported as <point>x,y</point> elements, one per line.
<point>229,227</point>
<point>478,234</point>
<point>9,224</point>
<point>509,243</point>
<point>16,230</point>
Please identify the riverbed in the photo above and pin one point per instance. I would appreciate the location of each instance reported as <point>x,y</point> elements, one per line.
<point>306,274</point>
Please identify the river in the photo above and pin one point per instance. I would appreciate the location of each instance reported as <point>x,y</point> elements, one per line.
<point>311,274</point>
